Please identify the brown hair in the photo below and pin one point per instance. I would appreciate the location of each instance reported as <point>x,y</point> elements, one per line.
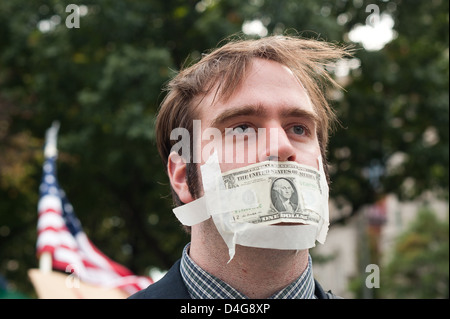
<point>225,68</point>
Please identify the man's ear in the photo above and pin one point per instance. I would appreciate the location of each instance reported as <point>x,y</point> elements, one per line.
<point>176,168</point>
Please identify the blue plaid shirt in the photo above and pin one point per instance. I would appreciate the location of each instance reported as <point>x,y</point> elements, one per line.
<point>202,285</point>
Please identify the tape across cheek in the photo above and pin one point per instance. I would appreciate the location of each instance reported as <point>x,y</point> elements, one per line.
<point>193,213</point>
<point>214,202</point>
<point>291,237</point>
<point>220,203</point>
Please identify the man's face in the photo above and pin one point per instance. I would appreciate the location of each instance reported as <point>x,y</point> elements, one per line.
<point>270,98</point>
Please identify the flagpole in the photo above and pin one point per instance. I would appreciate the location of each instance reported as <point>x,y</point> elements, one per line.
<point>50,150</point>
<point>45,262</point>
<point>51,135</point>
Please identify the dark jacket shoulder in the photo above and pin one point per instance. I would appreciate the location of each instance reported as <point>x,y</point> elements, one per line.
<point>171,286</point>
<point>322,294</point>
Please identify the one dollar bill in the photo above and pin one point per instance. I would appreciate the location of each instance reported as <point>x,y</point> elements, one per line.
<point>284,192</point>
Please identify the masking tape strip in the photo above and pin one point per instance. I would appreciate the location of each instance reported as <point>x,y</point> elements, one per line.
<point>325,222</point>
<point>193,213</point>
<point>292,237</point>
<point>212,203</point>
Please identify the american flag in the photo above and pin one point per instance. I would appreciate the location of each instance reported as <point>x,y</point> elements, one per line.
<point>60,233</point>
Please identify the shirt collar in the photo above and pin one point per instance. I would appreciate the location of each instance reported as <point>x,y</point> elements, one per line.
<point>202,285</point>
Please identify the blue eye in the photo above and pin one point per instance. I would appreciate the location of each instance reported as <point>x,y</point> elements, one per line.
<point>298,129</point>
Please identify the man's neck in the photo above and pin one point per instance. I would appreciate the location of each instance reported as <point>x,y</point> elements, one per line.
<point>255,272</point>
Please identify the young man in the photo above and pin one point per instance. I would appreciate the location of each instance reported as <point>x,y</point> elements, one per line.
<point>273,86</point>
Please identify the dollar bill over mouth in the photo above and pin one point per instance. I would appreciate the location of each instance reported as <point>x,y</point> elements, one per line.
<point>276,192</point>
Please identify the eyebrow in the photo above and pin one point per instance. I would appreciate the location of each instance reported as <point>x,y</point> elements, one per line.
<point>259,111</point>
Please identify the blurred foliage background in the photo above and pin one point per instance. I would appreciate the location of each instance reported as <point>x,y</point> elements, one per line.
<point>103,82</point>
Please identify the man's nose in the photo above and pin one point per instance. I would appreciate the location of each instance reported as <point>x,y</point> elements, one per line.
<point>278,146</point>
